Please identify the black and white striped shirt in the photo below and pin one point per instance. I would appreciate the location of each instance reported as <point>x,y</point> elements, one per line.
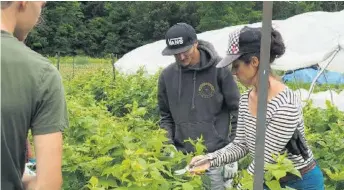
<point>284,115</point>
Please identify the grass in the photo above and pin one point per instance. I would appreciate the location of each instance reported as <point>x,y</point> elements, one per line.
<point>68,72</point>
<point>81,60</point>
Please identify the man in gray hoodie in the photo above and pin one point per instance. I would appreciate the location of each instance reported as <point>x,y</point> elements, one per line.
<point>195,98</point>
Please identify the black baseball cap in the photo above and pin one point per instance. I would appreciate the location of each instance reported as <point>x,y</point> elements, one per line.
<point>241,41</point>
<point>179,38</point>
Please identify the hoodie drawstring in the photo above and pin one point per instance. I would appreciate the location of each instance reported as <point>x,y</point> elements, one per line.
<point>179,83</point>
<point>180,86</point>
<point>194,89</point>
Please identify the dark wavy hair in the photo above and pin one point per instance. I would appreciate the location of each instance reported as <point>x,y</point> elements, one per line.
<point>277,48</point>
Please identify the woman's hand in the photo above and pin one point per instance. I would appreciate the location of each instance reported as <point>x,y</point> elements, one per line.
<point>199,164</point>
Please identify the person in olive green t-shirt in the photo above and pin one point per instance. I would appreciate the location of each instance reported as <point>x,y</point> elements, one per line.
<point>32,98</point>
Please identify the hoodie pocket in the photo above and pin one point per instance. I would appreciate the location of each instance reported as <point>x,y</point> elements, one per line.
<point>211,138</point>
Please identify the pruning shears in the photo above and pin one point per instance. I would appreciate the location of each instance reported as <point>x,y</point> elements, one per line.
<point>190,166</point>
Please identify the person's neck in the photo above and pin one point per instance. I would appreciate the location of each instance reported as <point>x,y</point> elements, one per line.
<point>256,85</point>
<point>7,22</point>
<point>196,59</point>
<point>274,87</point>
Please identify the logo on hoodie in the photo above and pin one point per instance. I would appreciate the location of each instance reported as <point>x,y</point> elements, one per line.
<point>206,90</point>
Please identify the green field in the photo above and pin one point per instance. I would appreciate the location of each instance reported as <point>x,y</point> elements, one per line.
<point>114,141</point>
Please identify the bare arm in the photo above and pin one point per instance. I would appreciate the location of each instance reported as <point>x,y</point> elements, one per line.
<point>48,122</point>
<point>48,149</point>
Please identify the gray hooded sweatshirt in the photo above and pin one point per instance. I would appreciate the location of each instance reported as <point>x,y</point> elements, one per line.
<point>199,101</point>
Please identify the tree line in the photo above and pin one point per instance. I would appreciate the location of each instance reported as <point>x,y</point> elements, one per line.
<point>97,28</point>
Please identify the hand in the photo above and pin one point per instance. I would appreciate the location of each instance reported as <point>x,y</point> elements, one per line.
<point>230,170</point>
<point>197,167</point>
<point>29,182</point>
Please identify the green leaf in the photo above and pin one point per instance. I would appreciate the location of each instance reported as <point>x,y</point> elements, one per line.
<point>187,186</point>
<point>275,185</point>
<point>271,167</point>
<point>295,172</point>
<point>268,176</point>
<point>142,162</point>
<point>336,176</point>
<point>108,182</point>
<point>165,186</point>
<point>94,181</point>
<point>278,174</point>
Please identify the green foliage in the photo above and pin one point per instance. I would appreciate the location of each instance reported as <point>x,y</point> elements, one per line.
<point>102,151</point>
<point>116,95</point>
<point>325,133</point>
<point>317,88</point>
<point>81,60</point>
<point>114,141</point>
<point>285,9</point>
<point>273,172</point>
<point>199,146</point>
<point>61,29</point>
<point>224,14</point>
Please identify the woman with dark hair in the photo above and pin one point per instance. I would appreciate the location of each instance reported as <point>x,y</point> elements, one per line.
<point>284,119</point>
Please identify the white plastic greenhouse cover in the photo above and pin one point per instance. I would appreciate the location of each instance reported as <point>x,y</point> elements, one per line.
<point>319,98</point>
<point>310,38</point>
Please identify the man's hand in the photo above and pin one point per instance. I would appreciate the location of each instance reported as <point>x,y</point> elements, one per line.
<point>230,170</point>
<point>48,149</point>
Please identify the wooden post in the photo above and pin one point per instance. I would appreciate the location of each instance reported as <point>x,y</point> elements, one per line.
<point>73,66</point>
<point>58,60</point>
<point>113,66</point>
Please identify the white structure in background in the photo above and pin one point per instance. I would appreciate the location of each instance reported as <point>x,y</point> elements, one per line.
<point>311,38</point>
<point>320,98</point>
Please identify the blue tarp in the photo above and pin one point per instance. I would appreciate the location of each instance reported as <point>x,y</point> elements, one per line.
<point>307,75</point>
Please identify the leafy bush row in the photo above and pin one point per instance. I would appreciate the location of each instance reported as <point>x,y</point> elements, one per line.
<point>114,141</point>
<point>103,150</point>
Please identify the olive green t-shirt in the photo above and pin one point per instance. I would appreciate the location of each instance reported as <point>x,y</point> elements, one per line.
<point>32,98</point>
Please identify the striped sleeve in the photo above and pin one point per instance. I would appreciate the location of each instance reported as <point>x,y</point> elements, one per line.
<point>233,151</point>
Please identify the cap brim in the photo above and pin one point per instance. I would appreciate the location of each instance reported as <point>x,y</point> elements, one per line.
<point>228,60</point>
<point>168,51</point>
